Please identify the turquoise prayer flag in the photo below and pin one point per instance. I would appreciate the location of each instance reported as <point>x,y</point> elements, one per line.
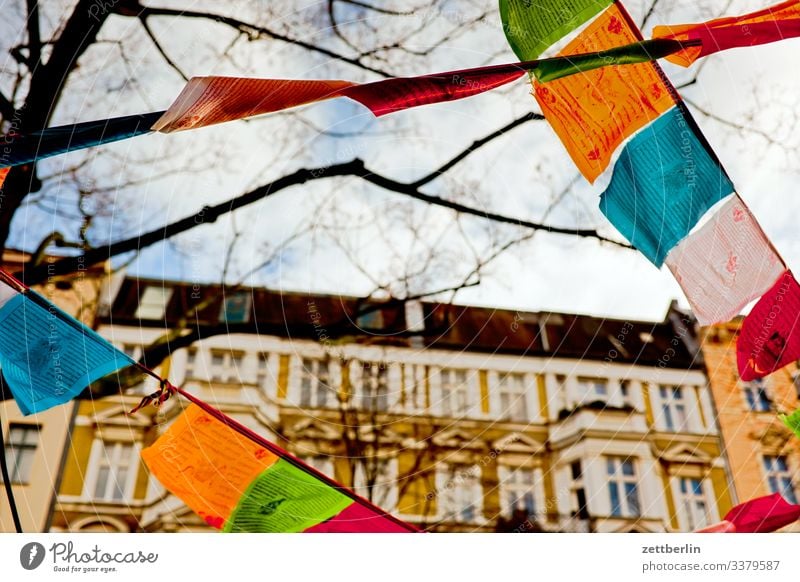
<point>47,357</point>
<point>663,183</point>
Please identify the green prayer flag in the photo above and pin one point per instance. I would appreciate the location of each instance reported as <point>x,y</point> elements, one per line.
<point>285,499</point>
<point>792,421</point>
<point>531,27</point>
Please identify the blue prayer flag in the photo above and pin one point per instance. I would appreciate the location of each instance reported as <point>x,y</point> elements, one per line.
<point>47,357</point>
<point>663,183</point>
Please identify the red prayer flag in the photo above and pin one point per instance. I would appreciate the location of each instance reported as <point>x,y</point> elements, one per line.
<point>763,515</point>
<point>770,334</point>
<point>356,518</point>
<point>721,527</point>
<point>764,26</point>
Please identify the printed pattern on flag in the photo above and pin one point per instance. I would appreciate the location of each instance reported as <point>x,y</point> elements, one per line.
<point>725,264</point>
<point>770,335</point>
<point>594,112</point>
<point>764,26</point>
<point>663,183</point>
<point>47,357</point>
<point>206,464</point>
<point>285,499</point>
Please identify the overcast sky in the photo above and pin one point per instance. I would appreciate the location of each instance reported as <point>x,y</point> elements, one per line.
<point>516,175</point>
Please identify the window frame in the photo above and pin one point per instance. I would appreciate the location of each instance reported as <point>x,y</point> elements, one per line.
<point>147,301</point>
<point>519,411</point>
<point>768,465</point>
<point>618,480</point>
<point>449,392</point>
<point>757,397</point>
<point>689,496</point>
<point>449,495</point>
<point>99,459</point>
<point>26,448</point>
<point>315,383</point>
<point>510,484</point>
<point>671,405</point>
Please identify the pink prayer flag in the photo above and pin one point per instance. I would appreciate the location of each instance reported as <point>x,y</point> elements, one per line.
<point>763,515</point>
<point>725,264</point>
<point>356,518</point>
<point>764,26</point>
<point>770,335</point>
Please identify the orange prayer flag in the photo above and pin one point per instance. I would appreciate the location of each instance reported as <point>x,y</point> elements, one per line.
<point>206,464</point>
<point>3,174</point>
<point>595,111</point>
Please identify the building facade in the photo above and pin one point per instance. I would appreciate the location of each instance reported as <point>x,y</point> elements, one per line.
<point>35,445</point>
<point>763,453</point>
<point>453,418</point>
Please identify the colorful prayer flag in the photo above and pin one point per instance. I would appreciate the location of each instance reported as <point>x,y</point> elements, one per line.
<point>237,485</point>
<point>764,26</point>
<point>725,264</point>
<point>47,357</point>
<point>595,112</point>
<point>770,335</point>
<point>763,515</point>
<point>663,183</point>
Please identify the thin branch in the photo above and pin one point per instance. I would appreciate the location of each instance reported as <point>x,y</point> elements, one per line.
<point>476,145</point>
<point>160,49</point>
<point>254,31</point>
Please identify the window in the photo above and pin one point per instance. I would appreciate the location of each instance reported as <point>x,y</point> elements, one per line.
<point>516,491</point>
<point>592,389</point>
<point>626,392</point>
<point>673,408</point>
<point>460,493</point>
<point>779,477</point>
<point>513,403</point>
<point>262,370</point>
<point>225,366</point>
<point>757,398</point>
<point>622,487</point>
<point>455,392</point>
<point>693,499</point>
<point>20,451</point>
<point>153,302</point>
<point>580,508</point>
<point>236,307</point>
<point>381,486</point>
<point>315,384</point>
<point>374,386</point>
<point>114,476</point>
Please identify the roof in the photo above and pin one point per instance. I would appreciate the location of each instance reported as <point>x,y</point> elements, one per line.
<point>667,344</point>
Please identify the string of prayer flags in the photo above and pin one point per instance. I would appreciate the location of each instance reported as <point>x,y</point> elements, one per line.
<point>769,338</point>
<point>763,515</point>
<point>725,264</point>
<point>47,357</point>
<point>665,188</point>
<point>207,101</point>
<point>237,485</point>
<point>764,26</point>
